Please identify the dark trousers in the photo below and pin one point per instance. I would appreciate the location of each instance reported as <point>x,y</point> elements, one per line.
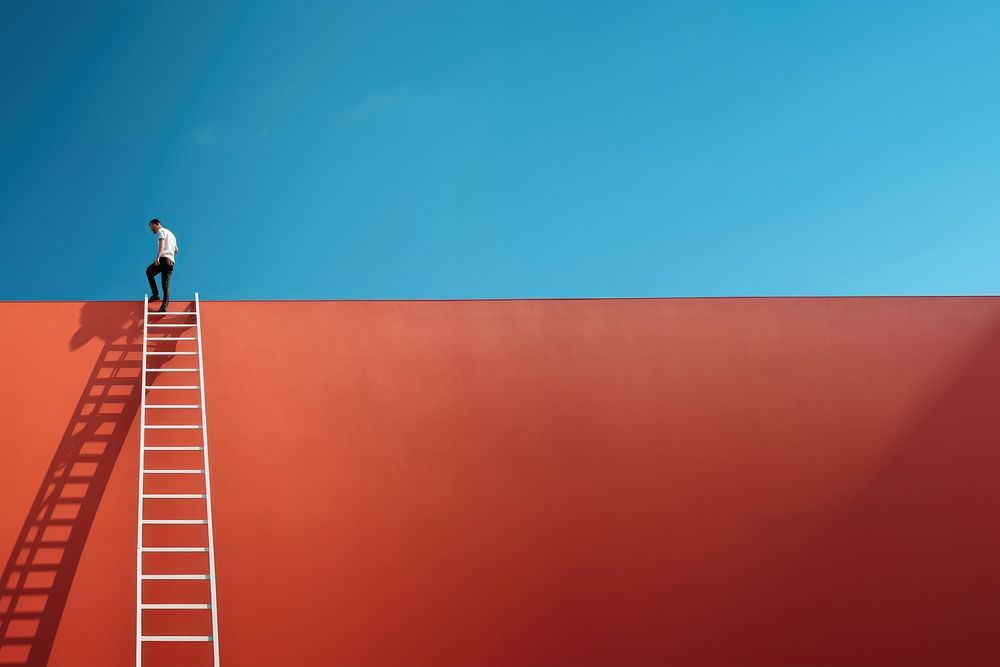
<point>166,269</point>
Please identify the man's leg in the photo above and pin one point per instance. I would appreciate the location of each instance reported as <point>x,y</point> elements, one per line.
<point>166,271</point>
<point>151,272</point>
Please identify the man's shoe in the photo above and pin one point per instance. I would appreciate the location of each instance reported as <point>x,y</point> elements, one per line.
<point>162,309</point>
<point>155,297</point>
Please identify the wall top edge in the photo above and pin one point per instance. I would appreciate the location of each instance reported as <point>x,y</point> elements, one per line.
<point>522,299</point>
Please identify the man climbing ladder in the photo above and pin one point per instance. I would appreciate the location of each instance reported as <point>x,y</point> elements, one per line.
<point>166,249</point>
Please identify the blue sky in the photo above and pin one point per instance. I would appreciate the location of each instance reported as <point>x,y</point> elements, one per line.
<point>500,149</point>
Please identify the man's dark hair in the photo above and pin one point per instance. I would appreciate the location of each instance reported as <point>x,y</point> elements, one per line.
<point>154,221</point>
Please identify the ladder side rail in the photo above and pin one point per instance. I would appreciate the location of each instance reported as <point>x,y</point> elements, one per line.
<point>142,464</point>
<point>208,486</point>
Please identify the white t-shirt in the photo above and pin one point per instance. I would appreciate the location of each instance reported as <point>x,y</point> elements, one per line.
<point>169,243</point>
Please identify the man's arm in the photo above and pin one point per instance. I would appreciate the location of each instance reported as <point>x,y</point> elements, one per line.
<point>159,249</point>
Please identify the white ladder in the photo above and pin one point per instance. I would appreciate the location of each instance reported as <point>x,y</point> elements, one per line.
<point>162,326</point>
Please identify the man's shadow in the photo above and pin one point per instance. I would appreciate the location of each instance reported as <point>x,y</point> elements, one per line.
<point>39,573</point>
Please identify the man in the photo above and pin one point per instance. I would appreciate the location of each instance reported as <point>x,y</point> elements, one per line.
<point>166,249</point>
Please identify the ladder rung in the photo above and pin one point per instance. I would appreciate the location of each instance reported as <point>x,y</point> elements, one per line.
<point>186,325</point>
<point>75,479</point>
<point>174,448</point>
<point>45,544</point>
<point>86,458</point>
<point>174,495</point>
<point>172,386</point>
<point>176,577</point>
<point>175,638</point>
<point>114,381</point>
<point>168,354</point>
<point>167,407</point>
<point>194,605</point>
<point>171,426</point>
<point>171,370</point>
<point>170,338</point>
<point>170,471</point>
<point>175,522</point>
<point>173,312</point>
<point>21,615</point>
<point>36,567</point>
<point>175,550</point>
<point>25,590</point>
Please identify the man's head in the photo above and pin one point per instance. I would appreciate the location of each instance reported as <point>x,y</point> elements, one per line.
<point>154,225</point>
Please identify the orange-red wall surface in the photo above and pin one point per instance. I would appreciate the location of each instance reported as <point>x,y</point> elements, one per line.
<point>694,482</point>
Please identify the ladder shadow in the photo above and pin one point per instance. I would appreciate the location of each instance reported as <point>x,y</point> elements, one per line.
<point>39,573</point>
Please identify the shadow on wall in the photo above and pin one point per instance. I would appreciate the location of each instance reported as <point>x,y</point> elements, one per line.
<point>905,572</point>
<point>39,573</point>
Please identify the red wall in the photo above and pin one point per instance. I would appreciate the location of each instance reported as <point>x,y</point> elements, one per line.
<point>752,482</point>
